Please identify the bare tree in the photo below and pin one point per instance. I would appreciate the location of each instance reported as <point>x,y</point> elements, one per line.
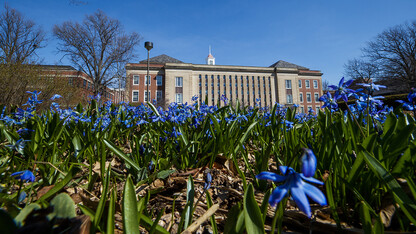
<point>97,46</point>
<point>19,37</point>
<point>325,85</point>
<point>394,52</point>
<point>19,40</point>
<point>359,69</point>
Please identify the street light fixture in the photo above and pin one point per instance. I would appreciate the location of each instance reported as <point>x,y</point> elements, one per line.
<point>148,45</point>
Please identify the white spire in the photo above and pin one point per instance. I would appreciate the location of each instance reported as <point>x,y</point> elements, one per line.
<point>210,59</point>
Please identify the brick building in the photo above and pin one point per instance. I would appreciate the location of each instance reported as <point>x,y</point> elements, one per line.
<point>82,83</point>
<point>172,80</point>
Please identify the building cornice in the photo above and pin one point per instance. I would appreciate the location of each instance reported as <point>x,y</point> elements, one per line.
<point>221,68</point>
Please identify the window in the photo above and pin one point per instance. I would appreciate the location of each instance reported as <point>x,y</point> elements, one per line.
<point>307,84</point>
<point>135,96</point>
<point>308,97</point>
<point>289,99</point>
<point>147,80</point>
<point>315,84</point>
<point>159,81</point>
<point>302,110</point>
<point>70,81</point>
<point>301,97</point>
<point>310,108</point>
<point>158,95</point>
<point>136,80</point>
<point>178,98</point>
<point>145,96</point>
<point>300,83</point>
<point>317,108</point>
<point>316,97</point>
<point>85,84</point>
<point>288,84</point>
<point>179,82</point>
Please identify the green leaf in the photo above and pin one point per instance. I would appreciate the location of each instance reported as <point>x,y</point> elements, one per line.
<point>406,204</point>
<point>164,174</point>
<point>365,218</point>
<point>265,204</point>
<point>252,215</point>
<point>130,214</point>
<point>25,212</point>
<point>119,153</point>
<point>101,204</point>
<point>63,207</point>
<point>111,212</point>
<point>190,195</point>
<point>87,211</point>
<point>60,185</point>
<point>147,223</point>
<point>232,226</point>
<point>212,218</point>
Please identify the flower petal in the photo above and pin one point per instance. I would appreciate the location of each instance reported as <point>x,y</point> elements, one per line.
<point>283,169</point>
<point>298,194</point>
<point>308,163</point>
<point>311,180</point>
<point>17,173</point>
<point>266,175</point>
<point>277,195</point>
<point>315,194</point>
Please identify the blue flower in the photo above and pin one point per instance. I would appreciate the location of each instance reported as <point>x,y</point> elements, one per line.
<point>208,180</point>
<point>308,160</point>
<point>56,96</point>
<point>371,87</point>
<point>328,101</point>
<point>25,175</point>
<point>341,91</point>
<point>294,182</point>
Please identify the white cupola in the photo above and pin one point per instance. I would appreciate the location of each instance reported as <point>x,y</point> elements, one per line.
<point>210,58</point>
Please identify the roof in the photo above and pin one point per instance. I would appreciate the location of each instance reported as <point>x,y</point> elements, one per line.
<point>284,64</point>
<point>210,56</point>
<point>161,59</point>
<point>57,67</point>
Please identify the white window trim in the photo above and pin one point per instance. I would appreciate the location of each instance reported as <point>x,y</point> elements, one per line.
<point>291,97</point>
<point>307,86</point>
<point>300,84</point>
<point>316,99</point>
<point>317,109</point>
<point>161,94</point>
<point>149,78</point>
<point>144,96</point>
<point>132,95</point>
<point>301,97</point>
<point>181,85</point>
<point>138,80</point>
<point>307,97</point>
<point>286,84</point>
<point>161,80</point>
<point>315,82</point>
<point>176,98</point>
<point>310,107</point>
<point>302,109</point>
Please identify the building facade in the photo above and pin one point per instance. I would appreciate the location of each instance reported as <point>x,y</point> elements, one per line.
<point>172,80</point>
<point>82,84</point>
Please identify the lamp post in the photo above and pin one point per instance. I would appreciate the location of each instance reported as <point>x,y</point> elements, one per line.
<point>148,45</point>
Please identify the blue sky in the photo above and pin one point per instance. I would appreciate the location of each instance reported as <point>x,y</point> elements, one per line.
<point>319,34</point>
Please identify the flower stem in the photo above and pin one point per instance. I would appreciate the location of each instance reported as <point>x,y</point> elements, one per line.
<point>18,192</point>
